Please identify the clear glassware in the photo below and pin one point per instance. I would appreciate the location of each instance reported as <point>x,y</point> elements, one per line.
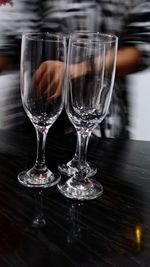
<point>70,168</point>
<point>42,92</point>
<point>90,77</point>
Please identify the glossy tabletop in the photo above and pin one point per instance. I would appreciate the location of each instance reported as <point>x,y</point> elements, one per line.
<point>113,230</point>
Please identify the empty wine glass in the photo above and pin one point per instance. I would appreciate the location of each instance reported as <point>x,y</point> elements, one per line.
<point>90,78</point>
<point>42,55</point>
<point>70,168</point>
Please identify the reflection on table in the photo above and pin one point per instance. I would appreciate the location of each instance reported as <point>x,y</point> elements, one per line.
<point>110,231</point>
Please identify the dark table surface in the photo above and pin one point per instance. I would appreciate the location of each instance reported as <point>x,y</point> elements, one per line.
<point>113,230</point>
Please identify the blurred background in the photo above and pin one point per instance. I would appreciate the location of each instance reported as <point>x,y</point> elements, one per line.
<point>140,105</point>
<point>128,116</point>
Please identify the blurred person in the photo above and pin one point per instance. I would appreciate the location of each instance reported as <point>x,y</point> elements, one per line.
<point>129,20</point>
<point>16,17</point>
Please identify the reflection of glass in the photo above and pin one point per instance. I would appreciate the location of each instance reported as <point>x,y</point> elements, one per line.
<point>42,77</point>
<point>74,220</point>
<point>90,78</point>
<point>39,220</point>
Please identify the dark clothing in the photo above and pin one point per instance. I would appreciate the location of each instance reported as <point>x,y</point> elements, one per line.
<point>129,20</point>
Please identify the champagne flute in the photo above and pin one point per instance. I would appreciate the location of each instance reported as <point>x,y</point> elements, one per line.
<point>42,55</point>
<point>90,78</point>
<point>70,168</point>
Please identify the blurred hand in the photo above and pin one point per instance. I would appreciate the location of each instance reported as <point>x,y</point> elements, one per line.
<point>49,78</point>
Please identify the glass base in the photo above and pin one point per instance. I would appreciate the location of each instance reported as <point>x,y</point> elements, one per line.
<point>80,190</point>
<point>70,168</point>
<point>38,179</point>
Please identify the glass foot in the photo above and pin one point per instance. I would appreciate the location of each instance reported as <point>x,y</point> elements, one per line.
<point>70,168</point>
<point>80,190</point>
<point>34,178</point>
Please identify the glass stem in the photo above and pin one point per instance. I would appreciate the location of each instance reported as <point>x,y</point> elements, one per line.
<point>77,153</point>
<point>41,141</point>
<point>82,143</point>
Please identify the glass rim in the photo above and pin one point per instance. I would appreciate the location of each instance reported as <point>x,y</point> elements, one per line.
<point>108,38</point>
<point>37,36</point>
